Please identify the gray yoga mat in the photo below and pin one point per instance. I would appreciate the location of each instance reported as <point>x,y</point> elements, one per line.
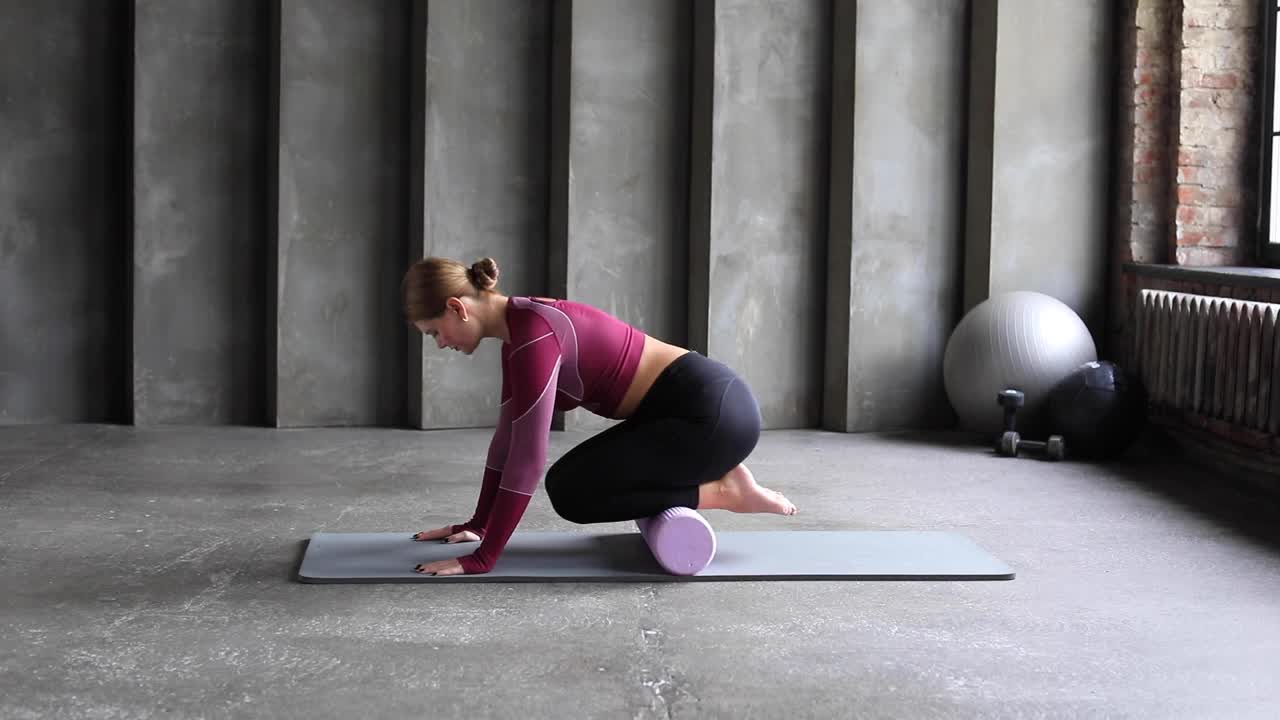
<point>624,557</point>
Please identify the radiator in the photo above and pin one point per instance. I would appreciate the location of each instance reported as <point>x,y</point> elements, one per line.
<point>1209,357</point>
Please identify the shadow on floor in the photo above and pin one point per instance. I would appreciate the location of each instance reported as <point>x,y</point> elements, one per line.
<point>1162,464</point>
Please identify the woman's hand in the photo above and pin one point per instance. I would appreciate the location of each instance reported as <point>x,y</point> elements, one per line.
<point>444,567</point>
<point>440,568</point>
<point>447,534</point>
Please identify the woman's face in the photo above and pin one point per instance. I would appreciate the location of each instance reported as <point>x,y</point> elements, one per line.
<point>450,330</point>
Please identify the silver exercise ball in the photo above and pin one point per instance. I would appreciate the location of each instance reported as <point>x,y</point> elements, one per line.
<point>1022,340</point>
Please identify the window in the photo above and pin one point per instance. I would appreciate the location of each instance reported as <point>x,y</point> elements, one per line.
<point>1269,178</point>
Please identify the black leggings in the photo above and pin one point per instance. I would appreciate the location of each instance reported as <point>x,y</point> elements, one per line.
<point>697,422</point>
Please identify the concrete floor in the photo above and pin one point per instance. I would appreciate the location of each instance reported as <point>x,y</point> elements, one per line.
<point>147,573</point>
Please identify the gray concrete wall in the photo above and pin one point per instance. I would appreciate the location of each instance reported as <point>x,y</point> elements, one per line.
<point>983,37</point>
<point>623,242</point>
<point>680,165</point>
<point>200,243</point>
<point>64,252</point>
<point>898,139</point>
<point>482,132</point>
<point>758,231</point>
<point>342,223</point>
<point>1049,183</point>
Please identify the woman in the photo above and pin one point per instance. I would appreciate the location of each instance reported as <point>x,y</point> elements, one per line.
<point>688,421</point>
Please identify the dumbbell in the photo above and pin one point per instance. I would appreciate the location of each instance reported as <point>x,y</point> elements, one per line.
<point>1011,442</point>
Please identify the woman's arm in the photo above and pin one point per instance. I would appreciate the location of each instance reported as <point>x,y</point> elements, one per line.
<point>494,462</point>
<point>534,369</point>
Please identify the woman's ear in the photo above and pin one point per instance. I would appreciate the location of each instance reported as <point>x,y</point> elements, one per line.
<point>458,307</point>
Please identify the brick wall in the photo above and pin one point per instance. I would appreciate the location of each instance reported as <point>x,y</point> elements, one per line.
<point>1187,135</point>
<point>1216,132</point>
<point>1144,138</point>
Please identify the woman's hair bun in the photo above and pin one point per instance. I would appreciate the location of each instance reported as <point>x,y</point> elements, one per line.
<point>484,273</point>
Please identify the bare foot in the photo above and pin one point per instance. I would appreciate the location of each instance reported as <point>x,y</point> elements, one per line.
<point>738,492</point>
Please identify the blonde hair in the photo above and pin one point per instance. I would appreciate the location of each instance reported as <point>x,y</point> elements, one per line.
<point>431,281</point>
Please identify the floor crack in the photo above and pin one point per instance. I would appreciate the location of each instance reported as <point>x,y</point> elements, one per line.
<point>662,684</point>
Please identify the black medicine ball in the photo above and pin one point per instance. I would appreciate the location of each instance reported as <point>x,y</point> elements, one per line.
<point>1099,409</point>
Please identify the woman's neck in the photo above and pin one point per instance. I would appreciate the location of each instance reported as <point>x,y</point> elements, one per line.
<point>495,318</point>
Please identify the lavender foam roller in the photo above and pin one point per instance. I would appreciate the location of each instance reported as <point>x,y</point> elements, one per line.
<point>680,539</point>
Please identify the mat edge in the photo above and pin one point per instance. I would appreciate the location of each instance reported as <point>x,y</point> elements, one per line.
<point>526,579</point>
